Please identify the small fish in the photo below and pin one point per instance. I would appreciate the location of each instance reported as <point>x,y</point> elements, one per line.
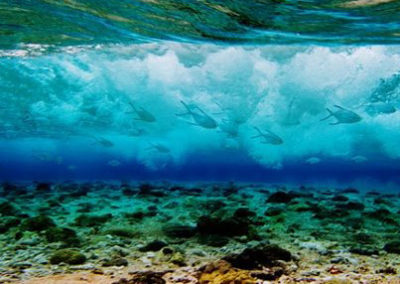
<point>104,142</point>
<point>231,128</point>
<point>359,159</point>
<point>200,117</point>
<point>313,160</point>
<point>291,118</point>
<point>114,163</point>
<point>46,157</point>
<point>143,114</point>
<point>342,115</point>
<point>159,148</point>
<point>136,132</point>
<point>378,108</point>
<point>268,137</point>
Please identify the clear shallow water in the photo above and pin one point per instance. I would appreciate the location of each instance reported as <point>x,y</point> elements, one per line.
<point>90,94</point>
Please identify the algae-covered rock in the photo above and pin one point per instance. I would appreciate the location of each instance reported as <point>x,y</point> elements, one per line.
<point>363,238</point>
<point>258,256</point>
<point>43,186</point>
<point>65,235</point>
<point>364,250</point>
<point>222,272</point>
<point>179,231</point>
<point>145,277</point>
<point>38,223</point>
<point>85,220</point>
<point>351,205</point>
<point>340,198</point>
<point>213,240</point>
<point>244,212</point>
<point>7,223</point>
<point>178,259</point>
<point>69,256</point>
<point>7,209</point>
<point>273,211</point>
<point>229,226</point>
<point>116,261</point>
<point>280,197</point>
<point>392,247</point>
<point>155,245</point>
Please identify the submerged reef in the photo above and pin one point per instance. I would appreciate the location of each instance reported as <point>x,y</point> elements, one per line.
<point>197,233</point>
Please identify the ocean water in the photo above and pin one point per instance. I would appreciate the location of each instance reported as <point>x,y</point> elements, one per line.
<point>157,134</point>
<point>256,113</point>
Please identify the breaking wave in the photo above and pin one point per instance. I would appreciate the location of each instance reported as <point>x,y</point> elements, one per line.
<point>267,105</point>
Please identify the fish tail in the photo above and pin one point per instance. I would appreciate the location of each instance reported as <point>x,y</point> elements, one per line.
<point>189,111</point>
<point>330,114</point>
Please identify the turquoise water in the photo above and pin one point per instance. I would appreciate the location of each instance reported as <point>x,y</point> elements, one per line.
<point>281,91</point>
<point>166,141</point>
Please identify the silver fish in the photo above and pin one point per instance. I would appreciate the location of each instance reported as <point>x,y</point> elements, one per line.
<point>200,117</point>
<point>342,115</point>
<point>143,114</point>
<point>380,108</point>
<point>104,142</point>
<point>268,137</point>
<point>159,148</point>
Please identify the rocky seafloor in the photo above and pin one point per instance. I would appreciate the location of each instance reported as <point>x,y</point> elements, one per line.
<point>199,233</point>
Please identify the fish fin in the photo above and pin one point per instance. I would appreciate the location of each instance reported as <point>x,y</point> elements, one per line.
<point>133,106</point>
<point>257,136</point>
<point>330,114</point>
<point>258,130</point>
<point>339,107</point>
<point>334,123</point>
<point>186,106</point>
<point>272,134</point>
<point>194,124</point>
<point>202,111</point>
<point>182,114</point>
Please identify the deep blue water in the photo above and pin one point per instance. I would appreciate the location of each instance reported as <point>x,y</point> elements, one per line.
<point>209,90</point>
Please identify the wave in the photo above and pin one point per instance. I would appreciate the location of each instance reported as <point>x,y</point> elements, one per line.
<point>160,104</point>
<point>51,23</point>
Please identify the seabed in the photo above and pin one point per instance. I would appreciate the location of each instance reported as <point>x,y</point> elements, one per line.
<point>164,232</point>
